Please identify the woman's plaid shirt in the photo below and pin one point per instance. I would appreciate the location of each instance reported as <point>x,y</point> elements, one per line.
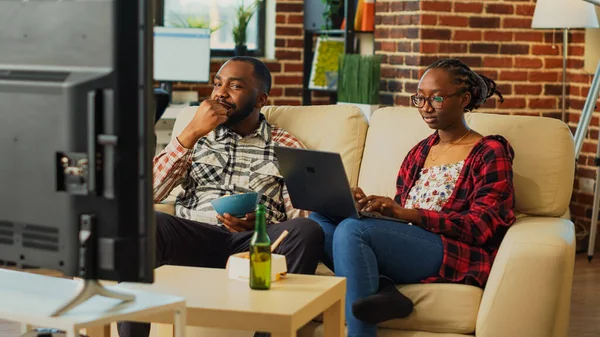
<point>224,163</point>
<point>477,215</point>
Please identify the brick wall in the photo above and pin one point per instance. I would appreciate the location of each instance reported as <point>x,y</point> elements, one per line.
<point>494,37</point>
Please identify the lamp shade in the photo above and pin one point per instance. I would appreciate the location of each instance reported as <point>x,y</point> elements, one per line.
<point>564,14</point>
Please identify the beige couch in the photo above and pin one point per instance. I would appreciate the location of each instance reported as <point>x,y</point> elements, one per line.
<point>529,289</point>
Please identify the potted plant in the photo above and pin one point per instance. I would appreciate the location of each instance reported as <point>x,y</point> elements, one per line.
<point>242,18</point>
<point>358,81</point>
<point>332,15</point>
<point>190,21</point>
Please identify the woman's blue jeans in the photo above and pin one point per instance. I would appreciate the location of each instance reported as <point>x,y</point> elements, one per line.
<point>362,250</point>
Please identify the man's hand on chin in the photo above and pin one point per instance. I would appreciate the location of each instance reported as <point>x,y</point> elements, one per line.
<point>236,225</point>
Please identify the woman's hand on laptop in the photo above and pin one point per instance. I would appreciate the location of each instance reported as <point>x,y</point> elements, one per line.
<point>384,205</point>
<point>359,195</point>
<point>236,225</point>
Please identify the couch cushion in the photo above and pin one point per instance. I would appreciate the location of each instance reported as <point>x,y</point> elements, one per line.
<point>334,128</point>
<point>544,155</point>
<point>439,307</point>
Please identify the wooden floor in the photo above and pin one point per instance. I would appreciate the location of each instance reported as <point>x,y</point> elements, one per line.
<point>585,308</point>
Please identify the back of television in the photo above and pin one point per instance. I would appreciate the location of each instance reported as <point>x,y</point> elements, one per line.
<point>75,140</point>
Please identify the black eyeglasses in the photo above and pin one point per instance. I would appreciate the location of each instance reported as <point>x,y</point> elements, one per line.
<point>436,102</point>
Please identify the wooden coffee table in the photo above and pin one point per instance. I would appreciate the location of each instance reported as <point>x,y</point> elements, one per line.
<point>215,301</point>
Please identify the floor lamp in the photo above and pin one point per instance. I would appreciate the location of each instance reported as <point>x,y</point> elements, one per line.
<point>580,132</point>
<point>564,14</point>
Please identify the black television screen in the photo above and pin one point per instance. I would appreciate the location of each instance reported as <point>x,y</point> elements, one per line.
<point>76,133</point>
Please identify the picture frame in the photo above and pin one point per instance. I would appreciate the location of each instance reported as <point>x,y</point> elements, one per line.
<point>325,64</point>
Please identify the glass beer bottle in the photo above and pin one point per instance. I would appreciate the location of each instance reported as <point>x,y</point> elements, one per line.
<point>260,253</point>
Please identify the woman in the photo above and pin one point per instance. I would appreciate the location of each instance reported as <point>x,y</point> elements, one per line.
<point>455,192</point>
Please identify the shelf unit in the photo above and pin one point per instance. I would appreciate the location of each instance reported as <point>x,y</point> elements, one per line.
<point>349,36</point>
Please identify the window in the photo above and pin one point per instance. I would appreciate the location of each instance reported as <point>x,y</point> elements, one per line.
<point>222,14</point>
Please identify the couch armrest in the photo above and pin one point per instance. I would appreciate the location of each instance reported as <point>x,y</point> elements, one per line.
<point>529,289</point>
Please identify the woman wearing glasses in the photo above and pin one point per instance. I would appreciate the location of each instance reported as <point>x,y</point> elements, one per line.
<point>455,191</point>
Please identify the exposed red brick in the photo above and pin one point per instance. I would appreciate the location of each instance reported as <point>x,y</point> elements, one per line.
<point>484,48</point>
<point>429,47</point>
<point>468,7</point>
<point>493,36</point>
<point>552,63</point>
<point>428,20</point>
<point>499,9</point>
<point>288,55</point>
<point>484,22</point>
<point>295,43</point>
<point>516,23</point>
<point>514,103</point>
<point>288,31</point>
<point>528,89</point>
<point>543,103</point>
<point>286,101</point>
<point>525,10</point>
<point>293,67</point>
<point>552,89</point>
<point>539,76</point>
<point>398,33</point>
<point>283,79</point>
<point>526,62</point>
<point>276,92</point>
<point>381,6</point>
<point>529,36</point>
<point>436,6</point>
<point>506,75</point>
<point>500,62</point>
<point>542,49</point>
<point>453,21</point>
<point>289,7</point>
<point>575,51</point>
<point>387,46</point>
<point>467,35</point>
<point>513,49</point>
<point>472,61</point>
<point>453,48</point>
<point>436,34</point>
<point>295,18</point>
<point>280,18</point>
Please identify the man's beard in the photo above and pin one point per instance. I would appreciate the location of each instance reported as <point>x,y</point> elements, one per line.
<point>238,116</point>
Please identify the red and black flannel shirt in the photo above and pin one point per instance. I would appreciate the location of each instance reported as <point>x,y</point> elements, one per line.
<point>478,213</point>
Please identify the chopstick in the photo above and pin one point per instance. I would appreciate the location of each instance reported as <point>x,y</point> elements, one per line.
<point>273,246</point>
<point>278,241</point>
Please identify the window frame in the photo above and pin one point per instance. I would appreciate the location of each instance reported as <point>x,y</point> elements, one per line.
<point>261,14</point>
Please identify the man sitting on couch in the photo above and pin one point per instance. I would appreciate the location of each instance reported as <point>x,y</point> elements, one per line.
<point>227,148</point>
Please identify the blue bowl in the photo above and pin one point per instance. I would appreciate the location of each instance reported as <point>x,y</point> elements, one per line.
<point>237,205</point>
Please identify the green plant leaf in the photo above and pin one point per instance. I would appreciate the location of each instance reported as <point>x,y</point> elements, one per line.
<point>358,78</point>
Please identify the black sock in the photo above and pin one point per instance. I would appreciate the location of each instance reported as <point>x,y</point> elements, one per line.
<point>388,303</point>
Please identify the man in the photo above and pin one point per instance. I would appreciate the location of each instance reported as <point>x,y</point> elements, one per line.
<point>227,148</point>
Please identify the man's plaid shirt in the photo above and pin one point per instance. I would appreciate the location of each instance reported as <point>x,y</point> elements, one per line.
<point>224,163</point>
<point>477,215</point>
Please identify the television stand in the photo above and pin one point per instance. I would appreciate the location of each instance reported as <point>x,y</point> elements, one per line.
<point>88,252</point>
<point>90,289</point>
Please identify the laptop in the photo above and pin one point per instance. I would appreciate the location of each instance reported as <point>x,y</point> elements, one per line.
<point>317,182</point>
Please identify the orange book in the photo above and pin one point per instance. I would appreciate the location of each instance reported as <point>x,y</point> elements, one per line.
<point>368,16</point>
<point>359,15</point>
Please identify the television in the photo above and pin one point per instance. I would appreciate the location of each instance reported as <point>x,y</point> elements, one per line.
<point>76,138</point>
